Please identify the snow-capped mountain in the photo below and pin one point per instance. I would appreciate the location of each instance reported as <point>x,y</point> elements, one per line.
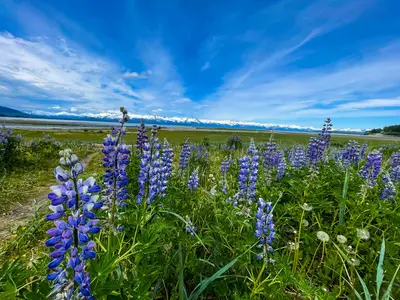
<point>182,121</point>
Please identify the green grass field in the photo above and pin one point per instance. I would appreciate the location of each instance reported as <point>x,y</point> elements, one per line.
<point>197,136</point>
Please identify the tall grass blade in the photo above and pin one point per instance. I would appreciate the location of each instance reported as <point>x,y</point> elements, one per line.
<point>342,204</point>
<point>379,270</point>
<point>386,296</point>
<point>203,284</point>
<point>365,288</point>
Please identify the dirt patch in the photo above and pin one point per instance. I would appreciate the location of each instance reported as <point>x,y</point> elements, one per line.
<point>21,213</point>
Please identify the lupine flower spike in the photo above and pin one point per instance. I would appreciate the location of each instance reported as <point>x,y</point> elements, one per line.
<point>193,182</point>
<point>115,161</point>
<point>248,175</point>
<point>152,180</point>
<point>141,137</point>
<point>372,167</point>
<point>389,189</point>
<point>224,170</point>
<point>72,205</point>
<point>265,229</point>
<point>184,156</point>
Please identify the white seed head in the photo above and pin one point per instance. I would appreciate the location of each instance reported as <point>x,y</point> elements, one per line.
<point>293,246</point>
<point>341,239</point>
<point>323,236</point>
<point>362,234</point>
<point>306,223</point>
<point>306,207</point>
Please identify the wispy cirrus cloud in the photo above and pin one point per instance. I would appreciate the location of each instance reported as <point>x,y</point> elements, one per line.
<point>269,85</point>
<point>51,70</point>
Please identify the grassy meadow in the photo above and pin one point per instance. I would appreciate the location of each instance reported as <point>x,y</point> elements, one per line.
<point>285,217</point>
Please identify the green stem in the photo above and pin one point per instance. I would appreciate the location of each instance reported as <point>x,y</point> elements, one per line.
<point>342,204</point>
<point>296,253</point>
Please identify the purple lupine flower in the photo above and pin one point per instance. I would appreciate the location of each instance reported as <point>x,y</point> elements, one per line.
<point>314,154</point>
<point>351,154</point>
<point>372,167</point>
<point>395,175</point>
<point>5,133</point>
<point>228,148</point>
<point>252,150</point>
<point>184,156</point>
<point>389,189</point>
<point>155,171</point>
<point>265,228</point>
<point>317,146</point>
<point>395,159</point>
<point>150,176</point>
<point>200,152</point>
<point>298,159</point>
<point>166,167</point>
<point>281,166</point>
<point>141,137</point>
<point>225,166</point>
<point>144,172</point>
<point>234,142</point>
<point>363,150</point>
<point>70,237</point>
<point>325,135</point>
<point>115,161</point>
<point>270,154</point>
<point>224,170</point>
<point>189,228</point>
<point>248,175</point>
<point>193,181</point>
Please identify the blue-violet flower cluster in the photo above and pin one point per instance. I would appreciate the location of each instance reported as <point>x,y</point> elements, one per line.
<point>372,167</point>
<point>70,237</point>
<point>265,228</point>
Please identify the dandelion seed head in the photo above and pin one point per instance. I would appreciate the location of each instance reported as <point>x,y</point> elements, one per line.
<point>341,239</point>
<point>363,234</point>
<point>323,236</point>
<point>306,207</point>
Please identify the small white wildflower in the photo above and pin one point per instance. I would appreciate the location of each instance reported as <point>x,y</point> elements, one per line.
<point>323,236</point>
<point>306,207</point>
<point>306,223</point>
<point>341,239</point>
<point>362,234</point>
<point>293,246</point>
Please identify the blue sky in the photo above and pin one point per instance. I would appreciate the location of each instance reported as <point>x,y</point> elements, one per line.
<point>289,62</point>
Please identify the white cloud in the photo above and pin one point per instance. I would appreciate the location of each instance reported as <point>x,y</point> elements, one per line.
<point>270,86</point>
<point>56,107</point>
<point>135,75</point>
<point>157,110</point>
<point>73,109</point>
<point>47,69</point>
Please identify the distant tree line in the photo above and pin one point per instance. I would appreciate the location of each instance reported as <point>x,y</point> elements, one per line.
<point>387,130</point>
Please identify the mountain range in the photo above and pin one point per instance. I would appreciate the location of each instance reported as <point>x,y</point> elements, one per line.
<point>112,116</point>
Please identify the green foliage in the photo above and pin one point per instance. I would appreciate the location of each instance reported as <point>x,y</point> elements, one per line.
<point>154,258</point>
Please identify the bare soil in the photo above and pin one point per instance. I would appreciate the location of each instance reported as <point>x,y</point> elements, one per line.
<point>21,213</point>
